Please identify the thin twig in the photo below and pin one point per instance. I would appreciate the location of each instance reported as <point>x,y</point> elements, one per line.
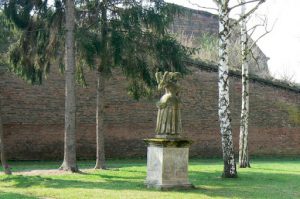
<point>243,3</point>
<point>202,7</point>
<point>261,36</point>
<point>248,13</point>
<point>252,29</point>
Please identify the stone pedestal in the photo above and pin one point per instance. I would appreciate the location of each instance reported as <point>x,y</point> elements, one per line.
<point>167,163</point>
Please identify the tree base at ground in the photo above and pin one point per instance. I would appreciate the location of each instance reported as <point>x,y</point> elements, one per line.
<point>245,164</point>
<point>229,170</point>
<point>73,169</point>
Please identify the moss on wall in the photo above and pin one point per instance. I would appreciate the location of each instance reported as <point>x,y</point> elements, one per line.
<point>294,113</point>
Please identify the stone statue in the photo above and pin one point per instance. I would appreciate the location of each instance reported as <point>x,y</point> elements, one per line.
<point>168,118</point>
<point>168,152</point>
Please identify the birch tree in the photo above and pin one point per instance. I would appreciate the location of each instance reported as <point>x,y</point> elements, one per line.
<point>223,85</point>
<point>225,28</point>
<point>243,143</point>
<point>246,46</point>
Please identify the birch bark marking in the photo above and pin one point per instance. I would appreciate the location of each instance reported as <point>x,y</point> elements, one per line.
<point>223,84</point>
<point>243,143</point>
<point>69,163</point>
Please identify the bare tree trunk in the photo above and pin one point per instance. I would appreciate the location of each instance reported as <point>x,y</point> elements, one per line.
<point>224,113</point>
<point>69,163</point>
<point>243,144</point>
<point>2,148</point>
<point>100,157</point>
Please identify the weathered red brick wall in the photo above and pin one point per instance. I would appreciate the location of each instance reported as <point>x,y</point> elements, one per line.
<point>195,22</point>
<point>190,24</point>
<point>33,117</point>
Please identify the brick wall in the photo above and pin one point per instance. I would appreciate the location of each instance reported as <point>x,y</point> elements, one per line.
<point>33,117</point>
<point>194,23</point>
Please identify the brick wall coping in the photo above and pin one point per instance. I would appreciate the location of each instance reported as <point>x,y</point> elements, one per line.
<point>254,78</point>
<point>186,10</point>
<point>214,68</point>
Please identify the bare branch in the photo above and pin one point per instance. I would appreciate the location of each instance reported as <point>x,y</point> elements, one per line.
<point>202,7</point>
<point>226,4</point>
<point>243,3</point>
<point>218,2</point>
<point>287,78</point>
<point>261,36</point>
<point>251,30</point>
<point>266,32</point>
<point>264,22</point>
<point>248,13</point>
<point>247,19</point>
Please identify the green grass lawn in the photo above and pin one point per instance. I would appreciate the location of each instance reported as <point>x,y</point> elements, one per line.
<point>268,178</point>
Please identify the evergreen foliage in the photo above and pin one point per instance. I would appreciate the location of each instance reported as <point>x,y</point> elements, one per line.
<point>8,35</point>
<point>39,44</point>
<point>136,40</point>
<point>128,34</point>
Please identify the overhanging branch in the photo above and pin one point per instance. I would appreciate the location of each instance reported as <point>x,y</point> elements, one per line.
<point>248,13</point>
<point>265,33</point>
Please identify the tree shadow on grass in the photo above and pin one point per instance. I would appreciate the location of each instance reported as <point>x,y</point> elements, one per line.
<point>10,195</point>
<point>21,166</point>
<point>105,182</point>
<point>109,177</point>
<point>249,184</point>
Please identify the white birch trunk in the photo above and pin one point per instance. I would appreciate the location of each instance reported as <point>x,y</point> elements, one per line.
<point>224,113</point>
<point>100,153</point>
<point>243,144</point>
<point>69,163</point>
<point>5,166</point>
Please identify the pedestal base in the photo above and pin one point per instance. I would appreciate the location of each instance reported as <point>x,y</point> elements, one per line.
<point>167,164</point>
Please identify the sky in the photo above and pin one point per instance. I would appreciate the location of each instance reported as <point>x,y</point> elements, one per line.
<point>282,44</point>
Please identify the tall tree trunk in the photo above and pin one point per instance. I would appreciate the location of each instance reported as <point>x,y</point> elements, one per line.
<point>5,166</point>
<point>243,145</point>
<point>69,163</point>
<point>100,156</point>
<point>224,113</point>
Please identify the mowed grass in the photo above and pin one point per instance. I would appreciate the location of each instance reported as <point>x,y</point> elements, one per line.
<point>268,178</point>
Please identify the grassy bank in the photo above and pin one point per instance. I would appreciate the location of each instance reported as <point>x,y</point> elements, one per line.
<point>268,178</point>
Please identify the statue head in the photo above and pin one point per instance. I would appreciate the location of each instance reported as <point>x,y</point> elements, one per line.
<point>167,80</point>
